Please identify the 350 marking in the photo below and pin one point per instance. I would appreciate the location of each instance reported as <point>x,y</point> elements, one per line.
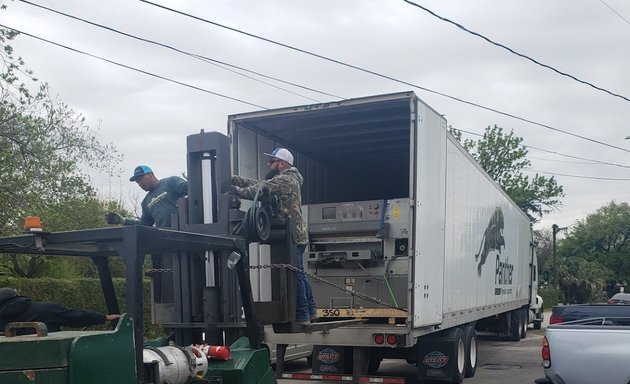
<point>331,312</point>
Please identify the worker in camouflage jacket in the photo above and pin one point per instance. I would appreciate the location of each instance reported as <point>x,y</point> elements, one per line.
<point>285,182</point>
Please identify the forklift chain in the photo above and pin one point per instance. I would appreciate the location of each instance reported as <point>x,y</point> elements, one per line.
<point>342,288</point>
<point>157,270</point>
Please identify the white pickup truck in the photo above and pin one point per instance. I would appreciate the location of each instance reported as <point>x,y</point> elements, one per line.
<point>587,351</point>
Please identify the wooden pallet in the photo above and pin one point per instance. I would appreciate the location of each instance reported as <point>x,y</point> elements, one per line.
<point>363,313</point>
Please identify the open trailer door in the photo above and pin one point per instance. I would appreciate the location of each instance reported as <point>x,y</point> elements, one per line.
<point>428,168</point>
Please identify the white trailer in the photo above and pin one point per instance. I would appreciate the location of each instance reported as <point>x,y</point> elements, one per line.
<point>399,212</point>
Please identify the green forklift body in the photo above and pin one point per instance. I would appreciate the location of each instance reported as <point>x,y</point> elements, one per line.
<point>70,357</point>
<point>246,365</point>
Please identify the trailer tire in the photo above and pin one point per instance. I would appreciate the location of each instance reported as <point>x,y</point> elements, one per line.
<point>449,348</point>
<point>537,325</point>
<point>515,325</point>
<point>470,344</point>
<point>460,356</point>
<point>524,323</point>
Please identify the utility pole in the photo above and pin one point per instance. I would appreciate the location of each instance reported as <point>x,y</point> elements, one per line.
<point>554,230</point>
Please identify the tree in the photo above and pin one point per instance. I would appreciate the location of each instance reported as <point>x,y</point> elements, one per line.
<point>503,157</point>
<point>46,149</point>
<point>544,253</point>
<point>603,240</point>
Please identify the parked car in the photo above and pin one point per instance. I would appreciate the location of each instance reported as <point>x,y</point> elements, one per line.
<point>620,298</point>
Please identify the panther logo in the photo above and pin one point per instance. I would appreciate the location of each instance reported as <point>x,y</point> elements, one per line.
<point>492,238</point>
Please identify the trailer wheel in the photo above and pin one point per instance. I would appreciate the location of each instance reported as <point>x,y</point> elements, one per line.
<point>442,356</point>
<point>470,344</point>
<point>515,325</point>
<point>459,355</point>
<point>524,323</point>
<point>537,325</point>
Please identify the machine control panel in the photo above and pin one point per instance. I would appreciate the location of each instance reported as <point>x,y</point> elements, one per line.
<point>367,216</point>
<point>345,212</point>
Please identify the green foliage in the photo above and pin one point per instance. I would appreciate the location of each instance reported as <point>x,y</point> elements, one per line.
<point>596,252</point>
<point>544,253</point>
<point>503,157</point>
<point>80,293</point>
<point>550,295</point>
<point>46,150</point>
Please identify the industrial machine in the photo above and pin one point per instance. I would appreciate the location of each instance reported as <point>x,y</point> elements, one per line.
<point>362,245</point>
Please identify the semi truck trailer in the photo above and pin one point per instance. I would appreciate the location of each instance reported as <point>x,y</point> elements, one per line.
<point>407,233</point>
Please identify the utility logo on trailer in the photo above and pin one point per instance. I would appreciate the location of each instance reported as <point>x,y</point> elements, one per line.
<point>492,239</point>
<point>328,356</point>
<point>435,359</point>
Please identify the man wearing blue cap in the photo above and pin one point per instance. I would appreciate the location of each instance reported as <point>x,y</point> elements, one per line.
<point>159,203</point>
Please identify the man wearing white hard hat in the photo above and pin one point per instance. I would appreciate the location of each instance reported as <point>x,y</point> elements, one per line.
<point>285,182</point>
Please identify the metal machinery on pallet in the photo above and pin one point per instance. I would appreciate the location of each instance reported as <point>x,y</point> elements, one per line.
<point>359,245</point>
<point>200,286</point>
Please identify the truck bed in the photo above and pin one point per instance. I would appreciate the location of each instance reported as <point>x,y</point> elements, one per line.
<point>564,313</point>
<point>588,351</point>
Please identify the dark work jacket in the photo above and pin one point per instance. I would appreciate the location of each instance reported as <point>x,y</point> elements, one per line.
<point>20,309</point>
<point>161,202</point>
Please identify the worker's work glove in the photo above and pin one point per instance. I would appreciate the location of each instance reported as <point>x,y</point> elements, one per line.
<point>114,218</point>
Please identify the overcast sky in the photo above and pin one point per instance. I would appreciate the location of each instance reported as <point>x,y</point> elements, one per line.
<point>148,118</point>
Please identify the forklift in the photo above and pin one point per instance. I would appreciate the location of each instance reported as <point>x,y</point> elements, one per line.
<point>200,291</point>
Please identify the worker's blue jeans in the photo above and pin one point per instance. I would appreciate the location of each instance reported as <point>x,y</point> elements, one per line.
<point>306,309</point>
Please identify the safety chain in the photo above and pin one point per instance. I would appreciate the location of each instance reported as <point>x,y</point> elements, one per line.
<point>315,277</point>
<point>157,270</point>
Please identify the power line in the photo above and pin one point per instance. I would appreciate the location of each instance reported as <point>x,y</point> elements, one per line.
<point>384,76</point>
<point>561,154</point>
<point>616,13</point>
<point>134,69</point>
<point>563,161</point>
<point>579,176</point>
<point>580,158</point>
<point>515,52</point>
<point>239,100</point>
<point>206,59</point>
<point>558,153</point>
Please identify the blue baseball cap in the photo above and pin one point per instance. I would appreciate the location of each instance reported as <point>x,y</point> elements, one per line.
<point>140,170</point>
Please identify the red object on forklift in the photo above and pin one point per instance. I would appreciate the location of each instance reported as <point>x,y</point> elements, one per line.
<point>216,352</point>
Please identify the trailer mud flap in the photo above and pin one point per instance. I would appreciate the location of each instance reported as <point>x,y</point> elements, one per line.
<point>441,358</point>
<point>331,359</point>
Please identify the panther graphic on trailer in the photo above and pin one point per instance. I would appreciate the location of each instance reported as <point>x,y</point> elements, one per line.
<point>492,238</point>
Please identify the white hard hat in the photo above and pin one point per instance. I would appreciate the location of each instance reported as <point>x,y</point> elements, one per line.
<point>282,154</point>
